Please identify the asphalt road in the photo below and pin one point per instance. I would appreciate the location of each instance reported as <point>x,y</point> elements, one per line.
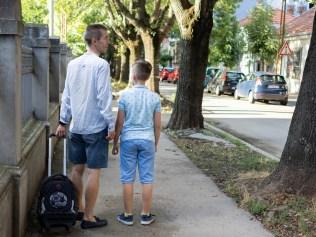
<point>262,125</point>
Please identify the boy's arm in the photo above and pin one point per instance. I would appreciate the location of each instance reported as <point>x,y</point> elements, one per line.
<point>157,127</point>
<point>118,128</point>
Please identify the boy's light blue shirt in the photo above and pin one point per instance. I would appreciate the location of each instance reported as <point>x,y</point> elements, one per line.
<point>139,105</point>
<point>87,96</point>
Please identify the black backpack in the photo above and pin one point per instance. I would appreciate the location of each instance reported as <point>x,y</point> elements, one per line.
<point>57,204</point>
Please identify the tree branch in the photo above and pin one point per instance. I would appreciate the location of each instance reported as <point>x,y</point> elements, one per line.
<point>156,13</point>
<point>133,20</point>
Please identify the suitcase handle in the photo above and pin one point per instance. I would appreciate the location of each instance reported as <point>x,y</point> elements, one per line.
<point>50,137</point>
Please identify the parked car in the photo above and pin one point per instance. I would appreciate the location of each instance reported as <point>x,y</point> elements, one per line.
<point>163,74</point>
<point>225,82</point>
<point>209,75</point>
<point>173,76</point>
<point>263,86</point>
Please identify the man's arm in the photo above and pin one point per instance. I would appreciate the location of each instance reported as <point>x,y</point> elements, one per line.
<point>157,127</point>
<point>118,128</point>
<point>104,97</point>
<point>65,109</point>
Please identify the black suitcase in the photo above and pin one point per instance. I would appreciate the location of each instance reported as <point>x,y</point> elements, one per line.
<point>57,203</point>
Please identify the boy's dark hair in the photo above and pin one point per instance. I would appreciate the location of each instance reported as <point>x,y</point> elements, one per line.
<point>93,31</point>
<point>142,70</point>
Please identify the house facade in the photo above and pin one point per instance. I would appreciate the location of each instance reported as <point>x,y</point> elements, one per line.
<point>299,32</point>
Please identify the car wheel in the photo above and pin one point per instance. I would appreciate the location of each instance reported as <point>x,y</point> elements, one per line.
<point>266,101</point>
<point>236,95</point>
<point>251,99</point>
<point>283,102</point>
<point>217,91</point>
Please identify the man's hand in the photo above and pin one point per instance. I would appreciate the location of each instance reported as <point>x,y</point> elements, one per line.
<point>110,135</point>
<point>115,149</point>
<point>61,131</point>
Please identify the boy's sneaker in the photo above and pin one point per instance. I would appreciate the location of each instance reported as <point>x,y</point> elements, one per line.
<point>147,219</point>
<point>126,220</point>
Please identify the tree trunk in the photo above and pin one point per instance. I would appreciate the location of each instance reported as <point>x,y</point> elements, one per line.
<point>135,48</point>
<point>296,172</point>
<point>117,67</point>
<point>125,58</point>
<point>149,48</point>
<point>187,111</point>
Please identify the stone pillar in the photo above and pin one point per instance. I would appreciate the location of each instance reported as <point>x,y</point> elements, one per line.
<point>36,37</point>
<point>54,70</point>
<point>11,30</point>
<point>63,66</point>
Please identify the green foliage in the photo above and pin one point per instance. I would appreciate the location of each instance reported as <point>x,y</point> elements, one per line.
<point>164,59</point>
<point>261,34</point>
<point>226,40</point>
<point>79,14</point>
<point>34,11</point>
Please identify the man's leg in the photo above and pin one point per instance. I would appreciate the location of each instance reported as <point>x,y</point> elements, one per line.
<point>128,191</point>
<point>147,198</point>
<point>91,193</point>
<point>76,178</point>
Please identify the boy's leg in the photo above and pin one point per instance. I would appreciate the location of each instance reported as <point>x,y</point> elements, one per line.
<point>146,158</point>
<point>128,164</point>
<point>91,193</point>
<point>147,198</point>
<point>128,191</point>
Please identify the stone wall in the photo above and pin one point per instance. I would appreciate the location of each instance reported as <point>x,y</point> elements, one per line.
<point>32,74</point>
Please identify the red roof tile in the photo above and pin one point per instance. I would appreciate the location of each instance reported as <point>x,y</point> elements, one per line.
<point>275,19</point>
<point>302,23</point>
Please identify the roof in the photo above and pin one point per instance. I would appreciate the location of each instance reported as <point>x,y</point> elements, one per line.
<point>276,18</point>
<point>302,23</point>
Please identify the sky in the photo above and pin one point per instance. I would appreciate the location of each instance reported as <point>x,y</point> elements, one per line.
<point>248,4</point>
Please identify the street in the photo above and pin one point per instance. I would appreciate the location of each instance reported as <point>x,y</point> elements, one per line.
<point>262,125</point>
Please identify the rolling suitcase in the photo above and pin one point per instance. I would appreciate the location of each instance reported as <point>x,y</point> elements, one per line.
<point>57,203</point>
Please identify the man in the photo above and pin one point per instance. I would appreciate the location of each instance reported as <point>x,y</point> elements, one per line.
<point>86,105</point>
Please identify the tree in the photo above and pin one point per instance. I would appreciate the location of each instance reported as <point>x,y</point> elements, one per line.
<point>261,34</point>
<point>226,40</point>
<point>153,23</point>
<point>128,34</point>
<point>79,14</point>
<point>34,11</point>
<point>296,172</point>
<point>195,22</point>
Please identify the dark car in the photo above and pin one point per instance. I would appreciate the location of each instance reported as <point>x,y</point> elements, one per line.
<point>164,73</point>
<point>225,82</point>
<point>263,86</point>
<point>209,75</point>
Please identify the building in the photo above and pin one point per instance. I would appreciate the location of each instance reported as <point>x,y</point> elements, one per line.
<point>298,35</point>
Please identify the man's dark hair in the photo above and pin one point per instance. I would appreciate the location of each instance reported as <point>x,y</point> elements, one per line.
<point>142,70</point>
<point>93,31</point>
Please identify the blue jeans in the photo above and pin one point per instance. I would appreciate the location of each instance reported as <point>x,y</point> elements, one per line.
<point>90,149</point>
<point>133,153</point>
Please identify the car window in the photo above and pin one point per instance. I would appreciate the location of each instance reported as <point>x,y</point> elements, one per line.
<point>234,76</point>
<point>273,78</point>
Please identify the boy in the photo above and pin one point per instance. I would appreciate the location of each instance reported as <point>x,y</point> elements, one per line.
<point>138,123</point>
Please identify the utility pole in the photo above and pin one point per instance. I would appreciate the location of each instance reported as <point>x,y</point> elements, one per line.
<point>51,18</point>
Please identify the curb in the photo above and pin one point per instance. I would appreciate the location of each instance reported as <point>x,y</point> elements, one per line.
<point>252,147</point>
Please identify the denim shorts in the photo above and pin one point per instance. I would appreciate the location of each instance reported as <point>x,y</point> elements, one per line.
<point>90,149</point>
<point>133,153</point>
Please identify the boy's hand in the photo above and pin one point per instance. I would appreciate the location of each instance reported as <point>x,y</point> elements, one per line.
<point>110,135</point>
<point>115,149</point>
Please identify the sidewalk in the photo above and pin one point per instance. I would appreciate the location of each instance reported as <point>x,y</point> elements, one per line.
<point>186,202</point>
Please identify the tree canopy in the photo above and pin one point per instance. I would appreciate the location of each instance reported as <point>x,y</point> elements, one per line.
<point>261,34</point>
<point>34,11</point>
<point>226,40</point>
